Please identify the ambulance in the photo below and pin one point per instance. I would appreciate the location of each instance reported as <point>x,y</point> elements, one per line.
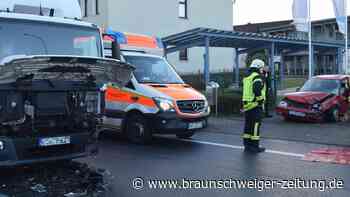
<point>156,100</point>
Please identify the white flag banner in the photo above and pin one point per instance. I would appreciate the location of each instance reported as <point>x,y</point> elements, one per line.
<point>301,15</point>
<point>340,15</point>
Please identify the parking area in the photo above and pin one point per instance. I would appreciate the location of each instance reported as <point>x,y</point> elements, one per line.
<point>216,154</point>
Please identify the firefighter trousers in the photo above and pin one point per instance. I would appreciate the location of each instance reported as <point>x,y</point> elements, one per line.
<point>252,124</point>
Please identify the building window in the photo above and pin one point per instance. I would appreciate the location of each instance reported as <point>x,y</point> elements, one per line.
<point>97,9</point>
<point>183,55</point>
<point>86,6</point>
<point>182,8</point>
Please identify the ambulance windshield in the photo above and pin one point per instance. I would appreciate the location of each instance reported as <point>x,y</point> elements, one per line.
<point>153,70</point>
<point>22,37</point>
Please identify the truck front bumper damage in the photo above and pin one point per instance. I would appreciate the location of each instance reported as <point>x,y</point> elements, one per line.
<point>26,150</point>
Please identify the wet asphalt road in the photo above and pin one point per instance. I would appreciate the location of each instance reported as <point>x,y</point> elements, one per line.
<point>215,154</point>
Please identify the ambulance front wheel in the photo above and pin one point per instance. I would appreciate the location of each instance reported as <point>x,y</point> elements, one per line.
<point>137,129</point>
<point>187,135</point>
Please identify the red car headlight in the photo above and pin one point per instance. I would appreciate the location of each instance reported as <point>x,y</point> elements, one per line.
<point>283,104</point>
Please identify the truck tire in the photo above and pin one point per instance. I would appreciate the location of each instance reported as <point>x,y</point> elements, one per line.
<point>137,129</point>
<point>333,115</point>
<point>187,135</point>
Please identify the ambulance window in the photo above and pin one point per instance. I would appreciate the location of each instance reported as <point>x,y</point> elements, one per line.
<point>153,70</point>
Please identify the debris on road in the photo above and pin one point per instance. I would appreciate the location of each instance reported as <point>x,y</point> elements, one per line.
<point>67,179</point>
<point>330,155</point>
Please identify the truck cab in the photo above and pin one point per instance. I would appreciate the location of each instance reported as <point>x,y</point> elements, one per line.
<point>156,100</point>
<point>51,71</point>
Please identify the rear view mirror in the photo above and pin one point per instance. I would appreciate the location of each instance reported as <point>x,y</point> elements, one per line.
<point>116,50</point>
<point>111,47</point>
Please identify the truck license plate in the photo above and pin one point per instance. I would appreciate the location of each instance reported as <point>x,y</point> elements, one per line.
<point>295,113</point>
<point>53,141</point>
<point>195,125</point>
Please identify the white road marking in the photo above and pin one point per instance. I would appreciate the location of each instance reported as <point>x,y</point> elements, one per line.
<point>241,148</point>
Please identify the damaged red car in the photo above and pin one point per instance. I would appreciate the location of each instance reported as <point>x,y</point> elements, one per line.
<point>322,98</point>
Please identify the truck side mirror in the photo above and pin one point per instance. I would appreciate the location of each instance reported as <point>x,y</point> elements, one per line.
<point>116,54</point>
<point>298,89</point>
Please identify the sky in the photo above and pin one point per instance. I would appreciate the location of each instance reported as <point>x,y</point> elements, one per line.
<point>255,11</point>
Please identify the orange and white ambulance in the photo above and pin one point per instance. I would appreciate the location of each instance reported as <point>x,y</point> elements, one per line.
<point>156,100</point>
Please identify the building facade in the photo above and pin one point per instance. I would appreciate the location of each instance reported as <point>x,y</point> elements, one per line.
<point>296,62</point>
<point>164,17</point>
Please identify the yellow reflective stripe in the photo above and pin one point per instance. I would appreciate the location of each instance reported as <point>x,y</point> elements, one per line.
<point>246,136</point>
<point>255,135</point>
<point>255,138</point>
<point>260,98</point>
<point>256,127</point>
<point>250,105</point>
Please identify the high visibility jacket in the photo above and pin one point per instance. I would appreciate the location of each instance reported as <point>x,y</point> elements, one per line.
<point>250,101</point>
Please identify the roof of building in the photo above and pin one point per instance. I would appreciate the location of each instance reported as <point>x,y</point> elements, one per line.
<point>258,27</point>
<point>233,39</point>
<point>278,25</point>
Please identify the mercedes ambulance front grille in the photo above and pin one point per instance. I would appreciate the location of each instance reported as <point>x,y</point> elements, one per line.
<point>191,106</point>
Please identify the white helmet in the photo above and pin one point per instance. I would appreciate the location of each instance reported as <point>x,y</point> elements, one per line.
<point>257,63</point>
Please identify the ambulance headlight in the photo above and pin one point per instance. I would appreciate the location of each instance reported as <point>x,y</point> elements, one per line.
<point>164,104</point>
<point>2,147</point>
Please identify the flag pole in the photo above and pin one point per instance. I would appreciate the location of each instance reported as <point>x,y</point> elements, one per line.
<point>346,69</point>
<point>310,42</point>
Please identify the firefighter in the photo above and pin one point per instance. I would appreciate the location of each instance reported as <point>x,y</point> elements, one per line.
<point>254,95</point>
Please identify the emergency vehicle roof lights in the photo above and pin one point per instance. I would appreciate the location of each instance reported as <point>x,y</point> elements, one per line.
<point>136,40</point>
<point>61,8</point>
<point>119,36</point>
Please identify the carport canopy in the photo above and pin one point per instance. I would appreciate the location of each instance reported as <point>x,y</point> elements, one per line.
<point>242,42</point>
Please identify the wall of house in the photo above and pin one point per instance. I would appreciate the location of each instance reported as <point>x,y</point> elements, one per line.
<point>161,18</point>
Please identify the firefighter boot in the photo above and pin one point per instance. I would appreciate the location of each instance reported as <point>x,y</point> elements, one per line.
<point>249,146</point>
<point>245,142</point>
<point>256,148</point>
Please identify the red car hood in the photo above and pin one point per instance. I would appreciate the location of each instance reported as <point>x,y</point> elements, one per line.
<point>307,97</point>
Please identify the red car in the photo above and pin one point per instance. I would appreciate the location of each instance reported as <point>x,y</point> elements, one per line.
<point>322,98</point>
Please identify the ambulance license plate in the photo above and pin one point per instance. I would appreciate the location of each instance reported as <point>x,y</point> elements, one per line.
<point>54,141</point>
<point>295,113</point>
<point>195,125</point>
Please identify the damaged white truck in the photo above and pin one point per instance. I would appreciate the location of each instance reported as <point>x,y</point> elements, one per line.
<point>51,71</point>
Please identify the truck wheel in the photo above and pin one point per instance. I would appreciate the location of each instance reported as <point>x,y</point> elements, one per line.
<point>137,129</point>
<point>185,135</point>
<point>333,115</point>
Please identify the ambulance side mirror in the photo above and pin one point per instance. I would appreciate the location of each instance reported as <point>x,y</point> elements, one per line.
<point>116,54</point>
